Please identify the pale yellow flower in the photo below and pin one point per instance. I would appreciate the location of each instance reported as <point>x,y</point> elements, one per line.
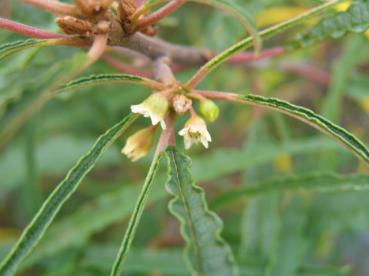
<point>139,144</point>
<point>154,107</point>
<point>194,132</point>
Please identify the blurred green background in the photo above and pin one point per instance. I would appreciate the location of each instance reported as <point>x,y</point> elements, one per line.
<point>297,232</point>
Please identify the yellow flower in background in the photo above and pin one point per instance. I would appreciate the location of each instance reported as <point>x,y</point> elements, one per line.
<point>364,103</point>
<point>343,6</point>
<point>283,163</point>
<point>277,15</point>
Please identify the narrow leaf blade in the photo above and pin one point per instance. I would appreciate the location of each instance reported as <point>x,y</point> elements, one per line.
<point>313,119</point>
<point>135,218</point>
<point>36,229</point>
<point>322,182</point>
<point>206,250</point>
<point>93,80</point>
<point>14,47</point>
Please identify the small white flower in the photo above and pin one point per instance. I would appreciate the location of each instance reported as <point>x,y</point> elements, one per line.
<point>194,132</point>
<point>139,144</point>
<point>154,107</point>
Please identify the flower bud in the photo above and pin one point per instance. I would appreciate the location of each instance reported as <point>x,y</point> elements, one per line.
<point>72,25</point>
<point>155,107</point>
<point>139,144</point>
<point>209,110</point>
<point>92,7</point>
<point>126,10</point>
<point>181,104</point>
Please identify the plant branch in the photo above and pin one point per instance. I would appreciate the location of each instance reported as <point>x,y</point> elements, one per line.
<point>160,14</point>
<point>54,7</point>
<point>154,48</point>
<point>125,68</point>
<point>246,57</point>
<point>20,28</point>
<point>162,71</point>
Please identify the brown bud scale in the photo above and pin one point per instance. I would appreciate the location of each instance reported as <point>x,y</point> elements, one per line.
<point>73,25</point>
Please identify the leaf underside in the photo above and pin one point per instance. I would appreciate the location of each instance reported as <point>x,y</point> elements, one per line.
<point>206,251</point>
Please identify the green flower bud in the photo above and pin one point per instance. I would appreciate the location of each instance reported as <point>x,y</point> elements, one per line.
<point>209,110</point>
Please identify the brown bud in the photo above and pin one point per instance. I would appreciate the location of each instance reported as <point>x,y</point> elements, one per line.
<point>72,25</point>
<point>92,7</point>
<point>126,10</point>
<point>181,104</point>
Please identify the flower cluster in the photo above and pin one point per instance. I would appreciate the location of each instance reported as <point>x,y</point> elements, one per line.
<point>157,107</point>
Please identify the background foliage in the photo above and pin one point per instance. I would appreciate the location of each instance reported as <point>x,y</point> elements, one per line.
<point>273,228</point>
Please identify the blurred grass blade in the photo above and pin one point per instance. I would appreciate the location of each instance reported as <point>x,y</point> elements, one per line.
<point>322,182</point>
<point>313,119</point>
<point>247,42</point>
<point>108,79</point>
<point>36,229</point>
<point>16,46</point>
<point>206,250</point>
<point>135,218</point>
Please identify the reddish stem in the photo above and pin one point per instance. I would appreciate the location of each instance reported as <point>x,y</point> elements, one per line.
<point>159,14</point>
<point>27,30</point>
<point>167,137</point>
<point>54,7</point>
<point>218,95</point>
<point>124,68</point>
<point>309,72</point>
<point>246,57</point>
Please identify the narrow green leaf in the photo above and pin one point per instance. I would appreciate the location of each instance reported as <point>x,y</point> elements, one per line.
<point>315,120</point>
<point>206,250</point>
<point>105,212</point>
<point>106,79</point>
<point>228,161</point>
<point>322,182</point>
<point>229,6</point>
<point>36,229</point>
<point>238,12</point>
<point>16,46</point>
<point>135,218</point>
<point>247,42</point>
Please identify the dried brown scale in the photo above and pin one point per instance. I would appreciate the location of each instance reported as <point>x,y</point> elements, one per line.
<point>181,104</point>
<point>126,9</point>
<point>72,25</point>
<point>92,7</point>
